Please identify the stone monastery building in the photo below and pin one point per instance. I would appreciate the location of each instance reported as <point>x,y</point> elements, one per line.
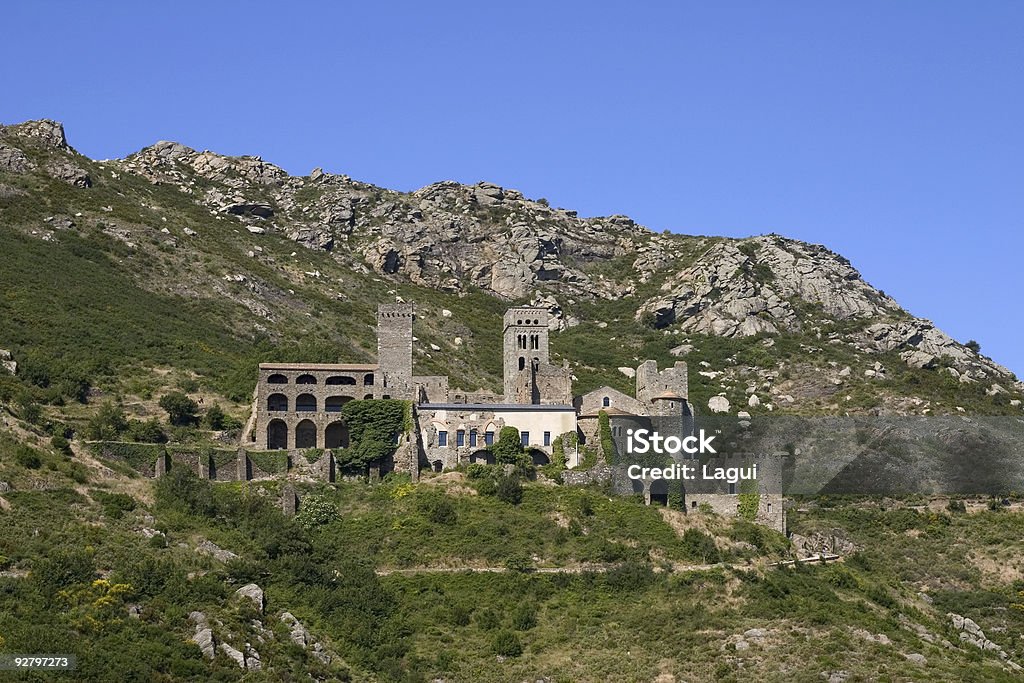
<point>298,406</point>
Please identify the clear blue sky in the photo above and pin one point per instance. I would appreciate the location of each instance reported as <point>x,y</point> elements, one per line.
<point>893,132</point>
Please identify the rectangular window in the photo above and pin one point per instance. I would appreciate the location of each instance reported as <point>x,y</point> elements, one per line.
<point>472,438</point>
<point>732,488</point>
<point>442,438</point>
<point>547,438</point>
<point>524,438</point>
<point>489,438</point>
<point>460,437</point>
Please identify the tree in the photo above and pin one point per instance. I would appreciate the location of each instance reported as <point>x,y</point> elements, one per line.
<point>148,431</point>
<point>973,346</point>
<point>108,424</point>
<point>181,410</point>
<point>215,417</point>
<point>509,449</point>
<point>373,426</point>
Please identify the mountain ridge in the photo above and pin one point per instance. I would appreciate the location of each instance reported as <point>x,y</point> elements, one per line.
<point>172,202</point>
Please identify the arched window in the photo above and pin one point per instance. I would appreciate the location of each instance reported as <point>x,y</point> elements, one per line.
<point>337,380</point>
<point>368,380</point>
<point>305,434</point>
<point>336,435</point>
<point>305,403</point>
<point>606,401</point>
<point>277,378</point>
<point>277,435</point>
<point>334,404</point>
<point>305,379</point>
<point>277,403</point>
<point>522,363</point>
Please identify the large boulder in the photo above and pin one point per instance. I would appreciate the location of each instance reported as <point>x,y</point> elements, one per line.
<point>252,593</point>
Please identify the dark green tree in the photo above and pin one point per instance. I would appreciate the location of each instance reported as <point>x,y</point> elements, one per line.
<point>509,449</point>
<point>181,410</point>
<point>108,424</point>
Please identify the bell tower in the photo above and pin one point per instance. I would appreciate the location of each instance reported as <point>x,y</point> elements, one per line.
<point>525,349</point>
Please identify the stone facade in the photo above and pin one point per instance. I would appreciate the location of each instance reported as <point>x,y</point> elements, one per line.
<point>299,405</point>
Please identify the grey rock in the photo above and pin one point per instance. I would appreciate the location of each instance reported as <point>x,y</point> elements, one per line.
<point>4,487</point>
<point>718,404</point>
<point>250,209</point>
<point>313,238</point>
<point>210,548</point>
<point>681,350</point>
<point>835,676</point>
<point>252,658</point>
<point>69,173</point>
<point>204,639</point>
<point>253,593</point>
<point>754,633</point>
<point>233,654</point>
<point>916,658</point>
<point>13,160</point>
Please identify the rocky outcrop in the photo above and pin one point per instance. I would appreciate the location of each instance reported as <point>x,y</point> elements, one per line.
<point>252,593</point>
<point>740,289</point>
<point>203,636</point>
<point>7,362</point>
<point>920,344</point>
<point>46,132</point>
<point>833,541</point>
<point>13,160</point>
<point>69,173</point>
<point>210,548</point>
<point>302,637</point>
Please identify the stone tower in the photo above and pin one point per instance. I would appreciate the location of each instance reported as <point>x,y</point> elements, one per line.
<point>394,351</point>
<point>525,350</point>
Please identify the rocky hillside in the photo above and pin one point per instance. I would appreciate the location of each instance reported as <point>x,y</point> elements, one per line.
<point>269,259</point>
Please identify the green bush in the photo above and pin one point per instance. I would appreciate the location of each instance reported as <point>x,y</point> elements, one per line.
<point>509,490</point>
<point>475,470</point>
<point>60,444</point>
<point>611,454</point>
<point>114,504</point>
<point>699,547</point>
<point>524,617</point>
<point>28,457</point>
<point>509,448</point>
<point>437,508</point>
<point>487,619</point>
<point>520,563</point>
<point>146,431</point>
<point>61,569</point>
<point>181,489</point>
<point>506,644</point>
<point>316,511</point>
